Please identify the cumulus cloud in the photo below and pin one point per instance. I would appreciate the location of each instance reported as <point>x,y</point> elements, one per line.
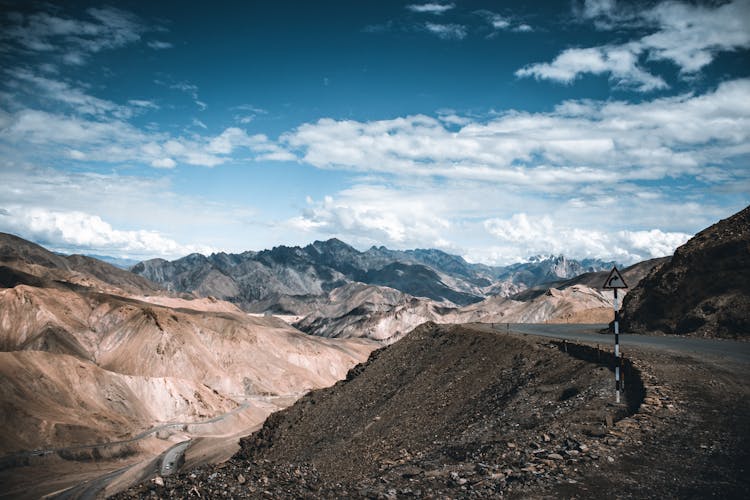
<point>620,62</point>
<point>121,213</point>
<point>454,216</point>
<point>689,36</point>
<point>521,236</point>
<point>579,142</point>
<point>75,232</point>
<point>372,214</point>
<point>430,8</point>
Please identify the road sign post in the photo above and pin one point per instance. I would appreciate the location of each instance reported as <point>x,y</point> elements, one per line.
<point>615,282</point>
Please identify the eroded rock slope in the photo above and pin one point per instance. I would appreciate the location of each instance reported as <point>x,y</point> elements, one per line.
<point>704,290</point>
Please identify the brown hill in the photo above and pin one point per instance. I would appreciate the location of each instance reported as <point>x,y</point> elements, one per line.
<point>33,259</point>
<point>92,353</point>
<point>704,290</point>
<point>386,315</point>
<point>574,304</point>
<point>52,401</point>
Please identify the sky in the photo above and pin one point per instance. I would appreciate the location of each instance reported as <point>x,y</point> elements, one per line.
<point>493,130</point>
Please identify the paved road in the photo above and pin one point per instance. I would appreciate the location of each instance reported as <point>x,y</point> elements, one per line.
<point>168,462</point>
<point>173,458</point>
<point>716,349</point>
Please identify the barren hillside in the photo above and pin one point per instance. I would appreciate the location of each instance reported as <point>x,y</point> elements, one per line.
<point>704,290</point>
<point>89,355</point>
<point>468,412</point>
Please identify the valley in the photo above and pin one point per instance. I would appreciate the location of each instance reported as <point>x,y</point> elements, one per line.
<point>377,250</point>
<point>103,371</point>
<point>110,380</point>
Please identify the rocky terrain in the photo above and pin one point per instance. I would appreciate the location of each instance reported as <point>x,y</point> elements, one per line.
<point>704,290</point>
<point>285,279</point>
<point>92,354</point>
<point>386,315</point>
<point>632,275</point>
<point>466,412</point>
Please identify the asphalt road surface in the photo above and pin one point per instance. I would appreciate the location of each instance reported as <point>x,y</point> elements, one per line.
<point>715,349</point>
<point>173,458</point>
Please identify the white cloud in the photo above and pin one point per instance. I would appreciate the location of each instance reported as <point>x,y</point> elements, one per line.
<point>126,215</point>
<point>580,142</point>
<point>189,89</point>
<point>504,23</point>
<point>521,236</point>
<point>447,31</point>
<point>370,214</point>
<point>163,163</point>
<point>596,8</point>
<point>159,45</point>
<point>74,98</point>
<point>617,223</point>
<point>690,36</point>
<point>620,62</point>
<point>430,8</point>
<point>83,232</point>
<point>114,140</point>
<point>142,103</point>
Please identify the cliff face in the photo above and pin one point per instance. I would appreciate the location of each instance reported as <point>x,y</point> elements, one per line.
<point>703,291</point>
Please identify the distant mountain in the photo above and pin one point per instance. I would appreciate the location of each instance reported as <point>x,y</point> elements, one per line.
<point>120,262</point>
<point>703,290</point>
<point>595,279</point>
<point>264,281</point>
<point>546,269</point>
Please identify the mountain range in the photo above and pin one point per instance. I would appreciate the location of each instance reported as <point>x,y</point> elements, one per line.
<point>265,281</point>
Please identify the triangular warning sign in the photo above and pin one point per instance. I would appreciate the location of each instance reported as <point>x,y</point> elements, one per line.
<point>615,280</point>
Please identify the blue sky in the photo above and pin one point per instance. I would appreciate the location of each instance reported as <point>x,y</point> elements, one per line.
<point>495,131</point>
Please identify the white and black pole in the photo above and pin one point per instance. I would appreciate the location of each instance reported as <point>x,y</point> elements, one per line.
<point>615,282</point>
<point>617,350</point>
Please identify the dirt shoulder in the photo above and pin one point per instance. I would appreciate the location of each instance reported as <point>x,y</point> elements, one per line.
<point>690,440</point>
<point>457,412</point>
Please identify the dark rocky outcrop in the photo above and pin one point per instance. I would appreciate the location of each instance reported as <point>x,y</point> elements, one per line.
<point>704,290</point>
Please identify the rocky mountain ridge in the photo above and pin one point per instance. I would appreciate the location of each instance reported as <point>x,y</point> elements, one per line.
<point>260,281</point>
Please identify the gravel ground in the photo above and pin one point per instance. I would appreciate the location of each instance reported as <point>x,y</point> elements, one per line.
<point>453,412</point>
